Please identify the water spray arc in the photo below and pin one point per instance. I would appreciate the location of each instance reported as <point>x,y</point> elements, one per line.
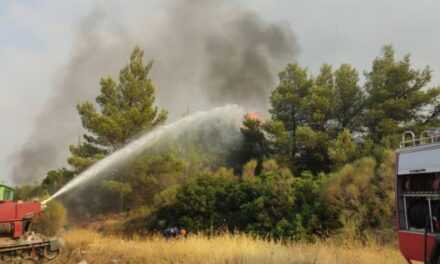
<point>230,113</point>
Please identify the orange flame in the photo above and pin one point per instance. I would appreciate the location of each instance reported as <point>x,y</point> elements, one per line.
<point>255,116</point>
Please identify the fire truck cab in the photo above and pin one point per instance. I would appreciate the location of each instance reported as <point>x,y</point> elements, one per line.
<point>418,196</point>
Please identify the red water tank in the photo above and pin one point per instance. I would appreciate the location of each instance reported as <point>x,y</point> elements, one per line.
<point>15,216</point>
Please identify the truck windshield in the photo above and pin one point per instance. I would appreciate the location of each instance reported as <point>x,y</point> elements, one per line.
<point>420,201</point>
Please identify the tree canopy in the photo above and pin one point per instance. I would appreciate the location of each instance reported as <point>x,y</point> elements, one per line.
<point>321,163</point>
<point>123,109</point>
<point>315,119</point>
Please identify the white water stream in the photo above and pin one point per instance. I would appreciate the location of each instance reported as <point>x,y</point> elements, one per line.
<point>229,113</point>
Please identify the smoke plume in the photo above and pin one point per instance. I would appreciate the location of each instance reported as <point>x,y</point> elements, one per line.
<point>206,53</point>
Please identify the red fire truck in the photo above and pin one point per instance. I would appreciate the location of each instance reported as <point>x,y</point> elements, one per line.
<point>18,243</point>
<point>418,196</point>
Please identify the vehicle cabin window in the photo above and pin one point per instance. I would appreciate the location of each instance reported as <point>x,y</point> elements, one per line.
<point>9,195</point>
<point>420,183</point>
<point>6,193</point>
<point>418,193</point>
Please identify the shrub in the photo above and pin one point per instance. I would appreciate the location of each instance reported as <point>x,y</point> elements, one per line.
<point>362,195</point>
<point>53,219</point>
<point>273,203</point>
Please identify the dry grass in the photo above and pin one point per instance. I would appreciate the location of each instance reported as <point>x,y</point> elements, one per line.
<point>227,249</point>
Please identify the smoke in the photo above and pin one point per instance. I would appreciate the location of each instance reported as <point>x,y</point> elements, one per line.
<point>207,53</point>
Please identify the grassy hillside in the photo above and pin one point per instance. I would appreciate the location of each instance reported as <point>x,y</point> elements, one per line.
<point>95,248</point>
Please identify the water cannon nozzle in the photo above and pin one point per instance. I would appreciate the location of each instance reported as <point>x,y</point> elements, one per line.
<point>44,203</point>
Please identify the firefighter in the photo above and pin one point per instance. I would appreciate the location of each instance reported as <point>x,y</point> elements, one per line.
<point>183,232</point>
<point>174,232</point>
<point>171,232</point>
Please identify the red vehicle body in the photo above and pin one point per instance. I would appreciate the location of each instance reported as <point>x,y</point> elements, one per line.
<point>18,243</point>
<point>418,197</point>
<point>16,217</point>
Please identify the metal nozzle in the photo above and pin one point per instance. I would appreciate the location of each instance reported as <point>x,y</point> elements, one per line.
<point>44,203</point>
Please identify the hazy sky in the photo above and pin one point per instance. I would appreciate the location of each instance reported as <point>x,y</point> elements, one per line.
<point>36,38</point>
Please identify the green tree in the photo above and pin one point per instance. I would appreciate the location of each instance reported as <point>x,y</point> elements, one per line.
<point>255,146</point>
<point>308,114</point>
<point>312,150</point>
<point>85,154</point>
<point>398,97</point>
<point>124,109</point>
<point>343,149</point>
<point>289,109</point>
<point>321,100</point>
<point>349,101</point>
<point>152,174</point>
<point>56,179</point>
<point>121,188</point>
<point>287,100</point>
<point>302,114</point>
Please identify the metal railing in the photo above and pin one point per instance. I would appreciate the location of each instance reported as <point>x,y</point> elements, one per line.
<point>428,136</point>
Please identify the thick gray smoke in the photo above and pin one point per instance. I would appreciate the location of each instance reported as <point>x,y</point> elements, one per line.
<point>207,53</point>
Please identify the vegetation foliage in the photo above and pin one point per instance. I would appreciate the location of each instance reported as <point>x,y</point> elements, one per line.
<point>52,221</point>
<point>320,164</point>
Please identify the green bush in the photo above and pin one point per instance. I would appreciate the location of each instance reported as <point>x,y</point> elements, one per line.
<point>273,203</point>
<point>53,219</point>
<point>362,195</point>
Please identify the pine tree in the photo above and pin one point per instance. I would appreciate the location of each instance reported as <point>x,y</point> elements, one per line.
<point>124,109</point>
<point>349,99</point>
<point>398,97</point>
